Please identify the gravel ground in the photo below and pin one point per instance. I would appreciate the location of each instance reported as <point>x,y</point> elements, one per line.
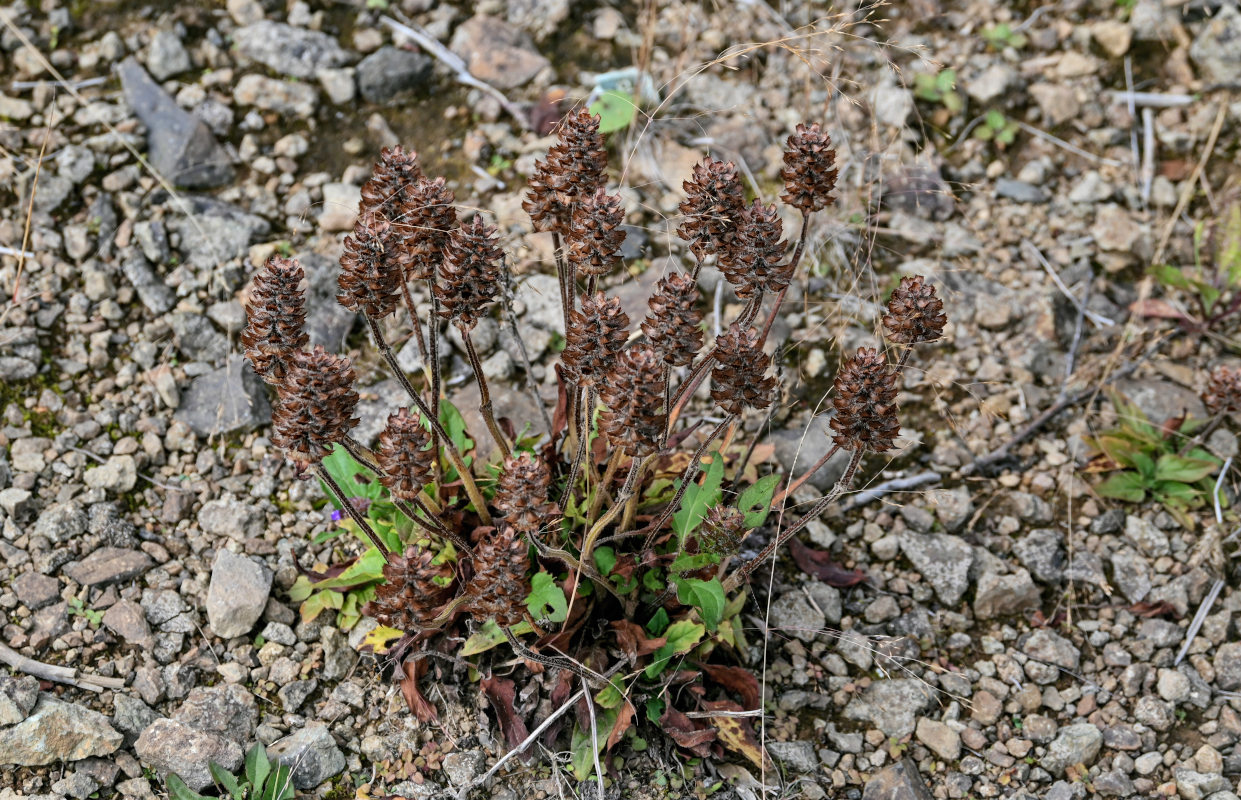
<point>1016,635</point>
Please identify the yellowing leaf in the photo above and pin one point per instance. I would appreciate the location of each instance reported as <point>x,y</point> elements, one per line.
<point>379,637</point>
<point>737,734</point>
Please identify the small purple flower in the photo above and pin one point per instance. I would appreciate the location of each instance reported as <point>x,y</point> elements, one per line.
<point>362,504</point>
<point>337,514</point>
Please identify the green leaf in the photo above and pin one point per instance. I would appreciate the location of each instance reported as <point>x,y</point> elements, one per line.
<point>177,790</point>
<point>658,623</point>
<point>226,780</point>
<point>488,636</point>
<point>611,695</point>
<point>280,785</point>
<point>616,111</point>
<point>319,602</point>
<point>584,751</point>
<point>994,120</point>
<point>946,80</point>
<point>546,600</point>
<point>1174,490</point>
<point>605,559</point>
<point>354,479</point>
<point>1184,470</point>
<point>687,562</point>
<point>367,569</point>
<point>699,498</point>
<point>1145,465</point>
<point>655,709</point>
<point>257,766</point>
<point>1126,486</point>
<point>706,596</point>
<point>454,424</point>
<point>682,637</point>
<point>953,102</point>
<point>1172,276</point>
<point>755,501</point>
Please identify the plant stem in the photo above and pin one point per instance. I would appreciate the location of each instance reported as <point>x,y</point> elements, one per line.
<point>608,475</point>
<point>703,368</point>
<point>562,273</point>
<point>347,505</point>
<point>467,480</point>
<point>484,403</point>
<point>413,319</point>
<point>691,472</point>
<point>741,573</point>
<point>583,411</point>
<point>360,453</point>
<point>797,254</point>
<point>805,476</point>
<point>433,334</point>
<point>431,524</point>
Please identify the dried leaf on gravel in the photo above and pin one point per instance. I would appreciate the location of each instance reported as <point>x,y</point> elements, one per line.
<point>501,693</point>
<point>819,563</point>
<point>738,680</point>
<point>692,734</point>
<point>419,705</point>
<point>737,733</point>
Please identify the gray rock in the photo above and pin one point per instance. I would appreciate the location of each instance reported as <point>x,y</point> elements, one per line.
<point>463,767</point>
<point>17,503</point>
<point>1191,785</point>
<point>538,298</point>
<point>279,633</point>
<point>943,740</point>
<point>856,649</point>
<point>1001,595</point>
<point>1149,539</point>
<point>389,72</point>
<point>166,56</point>
<point>75,162</point>
<point>953,507</point>
<point>13,368</point>
<point>327,321</point>
<point>1160,400</point>
<point>228,516</point>
<point>109,565</point>
<point>157,296</point>
<point>1131,574</point>
<point>1020,191</point>
<point>891,705</point>
<point>311,752</point>
<point>18,697</point>
<point>797,756</point>
<point>237,593</point>
<point>229,399</point>
<point>338,657</point>
<point>292,695</point>
<point>793,614</point>
<point>228,711</point>
<point>1074,744</point>
<point>992,83</point>
<point>1113,784</point>
<point>35,591</point>
<point>339,85</point>
<point>197,338</point>
<point>1041,553</point>
<point>117,474</point>
<point>106,522</point>
<point>798,450</point>
<point>229,315</point>
<point>1051,648</point>
<point>289,50</point>
<point>284,97</point>
<point>900,781</point>
<point>215,233</point>
<point>496,52</point>
<point>1228,667</point>
<point>153,240</point>
<point>174,748</point>
<point>1172,686</point>
<point>131,716</point>
<point>126,619</point>
<point>57,731</point>
<point>179,145</point>
<point>1217,47</point>
<point>943,560</point>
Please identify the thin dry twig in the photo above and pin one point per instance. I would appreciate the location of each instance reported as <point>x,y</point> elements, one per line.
<point>1188,187</point>
<point>1195,625</point>
<point>57,674</point>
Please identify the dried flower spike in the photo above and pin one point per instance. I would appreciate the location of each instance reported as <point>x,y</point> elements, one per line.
<point>316,407</point>
<point>712,208</point>
<point>394,175</point>
<point>673,326</point>
<point>574,170</point>
<point>915,314</point>
<point>404,457</point>
<point>865,403</point>
<point>596,234</point>
<point>1223,394</point>
<point>595,335</point>
<point>414,588</point>
<point>372,268</point>
<point>275,319</point>
<point>722,530</point>
<point>633,399</point>
<point>429,216</point>
<point>809,169</point>
<point>740,372</point>
<point>522,494</point>
<point>498,589</point>
<point>753,263</point>
<point>470,273</point>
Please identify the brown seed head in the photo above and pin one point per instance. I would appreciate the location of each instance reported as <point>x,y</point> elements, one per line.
<point>522,494</point>
<point>596,234</point>
<point>809,169</point>
<point>673,326</point>
<point>1223,394</point>
<point>372,268</point>
<point>275,319</point>
<point>404,456</point>
<point>574,170</point>
<point>722,530</point>
<point>595,335</point>
<point>470,273</point>
<point>740,375</point>
<point>712,208</point>
<point>915,314</point>
<point>865,403</point>
<point>499,587</point>
<point>394,175</point>
<point>753,263</point>
<point>633,399</point>
<point>429,217</point>
<point>413,589</point>
<point>316,406</point>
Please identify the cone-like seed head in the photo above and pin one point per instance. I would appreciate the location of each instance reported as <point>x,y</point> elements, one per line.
<point>394,175</point>
<point>413,588</point>
<point>739,377</point>
<point>429,217</point>
<point>499,589</point>
<point>712,208</point>
<point>574,170</point>
<point>522,494</point>
<point>404,456</point>
<point>1223,394</point>
<point>316,406</point>
<point>674,327</point>
<point>809,169</point>
<point>753,264</point>
<point>371,268</point>
<point>865,403</point>
<point>275,319</point>
<point>722,530</point>
<point>596,234</point>
<point>633,418</point>
<point>915,314</point>
<point>597,332</point>
<point>470,273</point>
